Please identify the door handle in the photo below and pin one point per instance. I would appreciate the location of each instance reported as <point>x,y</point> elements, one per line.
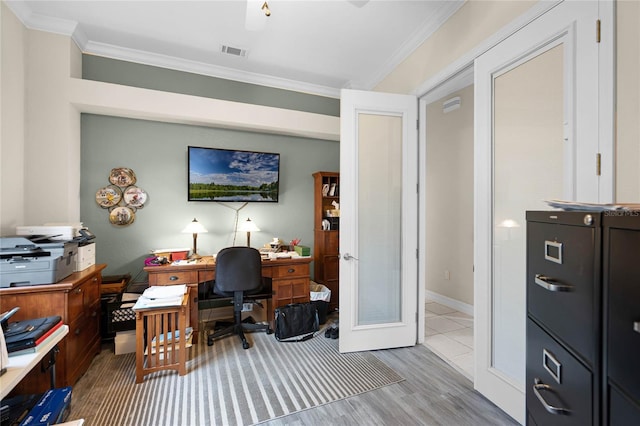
<point>347,256</point>
<point>551,285</point>
<point>537,387</point>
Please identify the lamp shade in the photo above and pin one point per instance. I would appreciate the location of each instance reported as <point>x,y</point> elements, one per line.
<point>248,226</point>
<point>194,227</point>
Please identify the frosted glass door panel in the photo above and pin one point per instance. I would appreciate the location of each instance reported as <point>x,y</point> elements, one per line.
<point>528,151</point>
<point>379,219</point>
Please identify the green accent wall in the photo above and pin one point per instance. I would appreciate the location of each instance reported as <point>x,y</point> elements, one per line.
<point>157,153</point>
<point>108,70</point>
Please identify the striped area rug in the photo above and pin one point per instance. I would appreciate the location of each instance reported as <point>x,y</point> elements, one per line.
<point>227,385</point>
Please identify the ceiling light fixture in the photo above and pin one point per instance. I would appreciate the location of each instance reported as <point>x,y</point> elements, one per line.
<point>265,9</point>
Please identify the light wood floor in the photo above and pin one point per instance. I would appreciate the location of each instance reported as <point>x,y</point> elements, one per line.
<point>432,394</point>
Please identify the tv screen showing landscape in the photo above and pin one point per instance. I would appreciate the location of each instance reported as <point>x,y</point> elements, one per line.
<point>232,175</point>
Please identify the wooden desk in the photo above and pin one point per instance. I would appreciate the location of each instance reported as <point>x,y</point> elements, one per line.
<point>290,281</point>
<point>19,366</point>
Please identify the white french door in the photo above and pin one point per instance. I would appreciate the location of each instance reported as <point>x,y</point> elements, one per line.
<point>378,220</point>
<point>538,125</point>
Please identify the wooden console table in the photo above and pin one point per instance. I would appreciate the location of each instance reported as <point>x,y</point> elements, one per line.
<point>290,281</point>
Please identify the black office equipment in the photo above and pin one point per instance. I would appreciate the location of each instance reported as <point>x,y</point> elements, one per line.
<point>239,275</point>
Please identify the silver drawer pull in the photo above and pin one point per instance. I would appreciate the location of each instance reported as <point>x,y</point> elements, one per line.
<point>548,284</point>
<point>636,326</point>
<point>537,387</point>
<point>173,278</point>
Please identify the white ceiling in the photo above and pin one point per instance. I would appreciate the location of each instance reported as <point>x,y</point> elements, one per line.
<point>308,45</point>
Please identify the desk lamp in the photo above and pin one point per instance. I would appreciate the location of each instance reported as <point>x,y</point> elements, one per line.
<point>194,227</point>
<point>248,226</point>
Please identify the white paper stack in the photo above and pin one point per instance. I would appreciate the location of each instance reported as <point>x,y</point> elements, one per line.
<point>161,295</point>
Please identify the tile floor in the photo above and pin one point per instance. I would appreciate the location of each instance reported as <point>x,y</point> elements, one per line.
<point>449,334</point>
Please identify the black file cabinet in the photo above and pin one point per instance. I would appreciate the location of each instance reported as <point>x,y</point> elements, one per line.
<point>583,318</point>
<point>621,259</point>
<point>564,324</point>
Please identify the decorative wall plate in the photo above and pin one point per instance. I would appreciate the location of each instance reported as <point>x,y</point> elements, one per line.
<point>121,216</point>
<point>108,196</point>
<point>122,176</point>
<point>135,197</point>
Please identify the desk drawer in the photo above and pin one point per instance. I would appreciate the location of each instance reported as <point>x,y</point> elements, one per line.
<point>290,291</point>
<point>286,271</point>
<point>175,277</point>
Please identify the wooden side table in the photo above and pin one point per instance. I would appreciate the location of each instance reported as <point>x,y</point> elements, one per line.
<point>159,324</point>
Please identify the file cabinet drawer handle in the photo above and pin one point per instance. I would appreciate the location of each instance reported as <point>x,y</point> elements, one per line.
<point>636,326</point>
<point>549,284</point>
<point>537,387</point>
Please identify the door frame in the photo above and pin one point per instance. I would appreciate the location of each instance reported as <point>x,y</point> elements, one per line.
<point>446,81</point>
<point>442,82</point>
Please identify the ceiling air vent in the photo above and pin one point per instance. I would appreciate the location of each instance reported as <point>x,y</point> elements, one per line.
<point>233,51</point>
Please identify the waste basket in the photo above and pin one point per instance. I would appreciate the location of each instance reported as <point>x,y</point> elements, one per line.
<point>320,297</point>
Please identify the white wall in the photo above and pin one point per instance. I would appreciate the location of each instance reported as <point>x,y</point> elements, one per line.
<point>12,121</point>
<point>449,199</point>
<point>467,28</point>
<point>473,23</point>
<point>52,143</point>
<point>41,166</point>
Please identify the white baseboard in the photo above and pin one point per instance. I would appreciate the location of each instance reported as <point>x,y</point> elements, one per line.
<point>452,303</point>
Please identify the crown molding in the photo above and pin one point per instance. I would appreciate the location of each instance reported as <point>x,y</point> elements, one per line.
<point>179,64</point>
<point>428,28</point>
<point>72,29</point>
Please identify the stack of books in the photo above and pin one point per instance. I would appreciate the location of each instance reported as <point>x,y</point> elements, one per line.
<point>28,336</point>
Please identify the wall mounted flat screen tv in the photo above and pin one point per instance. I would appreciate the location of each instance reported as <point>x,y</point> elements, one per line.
<point>231,175</point>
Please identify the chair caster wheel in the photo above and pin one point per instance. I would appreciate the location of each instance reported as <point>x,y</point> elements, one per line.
<point>245,345</point>
<point>269,331</point>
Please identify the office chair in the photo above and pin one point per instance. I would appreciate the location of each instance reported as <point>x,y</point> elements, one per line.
<point>239,275</point>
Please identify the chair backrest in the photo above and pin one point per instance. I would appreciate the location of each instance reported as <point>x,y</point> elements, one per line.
<point>238,269</point>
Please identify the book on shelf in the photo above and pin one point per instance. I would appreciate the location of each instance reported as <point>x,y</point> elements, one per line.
<point>51,335</point>
<point>25,334</point>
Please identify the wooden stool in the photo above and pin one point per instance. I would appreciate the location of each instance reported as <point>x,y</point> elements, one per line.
<point>159,324</point>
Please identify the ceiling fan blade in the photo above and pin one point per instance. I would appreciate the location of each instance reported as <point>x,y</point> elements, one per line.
<point>255,19</point>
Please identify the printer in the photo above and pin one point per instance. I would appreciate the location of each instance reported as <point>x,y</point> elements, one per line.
<point>65,232</point>
<point>35,260</point>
